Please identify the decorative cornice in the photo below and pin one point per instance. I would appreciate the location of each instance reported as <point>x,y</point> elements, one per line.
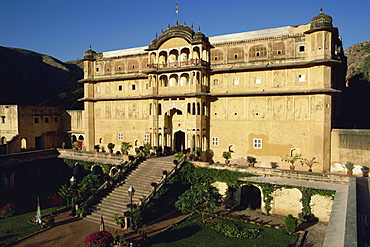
<point>274,66</point>
<point>252,93</point>
<point>115,78</point>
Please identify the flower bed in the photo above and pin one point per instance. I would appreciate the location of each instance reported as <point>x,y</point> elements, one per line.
<point>237,232</point>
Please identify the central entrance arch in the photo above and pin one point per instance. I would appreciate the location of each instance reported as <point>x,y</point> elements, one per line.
<point>179,141</point>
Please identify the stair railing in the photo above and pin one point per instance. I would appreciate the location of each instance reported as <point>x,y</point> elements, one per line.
<point>178,164</point>
<point>108,184</point>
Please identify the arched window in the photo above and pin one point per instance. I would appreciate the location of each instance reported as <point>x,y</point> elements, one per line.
<point>23,143</point>
<point>189,108</point>
<point>159,109</point>
<point>279,48</point>
<point>174,54</point>
<point>257,52</point>
<point>3,140</point>
<point>162,57</point>
<point>198,109</point>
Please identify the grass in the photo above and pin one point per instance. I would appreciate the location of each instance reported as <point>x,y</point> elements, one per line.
<point>27,200</point>
<point>193,232</point>
<point>20,226</point>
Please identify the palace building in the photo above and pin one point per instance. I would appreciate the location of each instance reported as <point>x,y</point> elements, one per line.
<point>266,93</point>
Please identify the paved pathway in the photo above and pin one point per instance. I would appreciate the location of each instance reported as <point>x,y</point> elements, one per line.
<point>71,232</point>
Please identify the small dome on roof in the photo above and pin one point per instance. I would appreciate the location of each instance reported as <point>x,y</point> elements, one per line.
<point>89,54</point>
<point>199,36</point>
<point>321,21</point>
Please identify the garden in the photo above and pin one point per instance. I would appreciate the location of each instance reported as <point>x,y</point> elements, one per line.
<point>189,191</point>
<point>222,232</point>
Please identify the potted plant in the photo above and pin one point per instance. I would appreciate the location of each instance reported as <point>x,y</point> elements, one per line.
<point>291,160</point>
<point>308,163</point>
<point>63,145</point>
<point>226,155</point>
<point>110,146</point>
<point>154,184</point>
<point>179,156</point>
<point>97,147</point>
<point>82,210</point>
<point>198,152</point>
<point>365,171</point>
<point>75,145</point>
<point>125,147</point>
<point>119,220</point>
<point>349,166</point>
<point>192,156</point>
<point>251,160</point>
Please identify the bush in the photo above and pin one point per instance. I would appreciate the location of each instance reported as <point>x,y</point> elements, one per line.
<point>98,239</point>
<point>9,210</point>
<point>50,221</point>
<point>237,232</point>
<point>290,224</point>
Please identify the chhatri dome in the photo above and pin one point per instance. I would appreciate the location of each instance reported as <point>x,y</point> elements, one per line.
<point>89,54</point>
<point>321,21</point>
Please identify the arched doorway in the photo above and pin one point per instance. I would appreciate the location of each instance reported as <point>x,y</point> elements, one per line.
<point>179,141</point>
<point>250,196</point>
<point>23,144</point>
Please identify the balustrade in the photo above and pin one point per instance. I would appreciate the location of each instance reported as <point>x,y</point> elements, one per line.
<point>191,62</point>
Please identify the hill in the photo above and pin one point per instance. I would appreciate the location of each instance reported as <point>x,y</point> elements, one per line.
<point>355,110</point>
<point>30,78</point>
<point>358,60</point>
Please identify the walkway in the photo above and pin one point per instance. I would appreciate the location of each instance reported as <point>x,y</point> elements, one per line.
<point>71,232</point>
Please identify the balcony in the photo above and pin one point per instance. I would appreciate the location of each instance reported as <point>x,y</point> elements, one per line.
<point>191,62</point>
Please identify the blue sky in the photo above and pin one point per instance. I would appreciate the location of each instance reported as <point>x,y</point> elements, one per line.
<point>65,29</point>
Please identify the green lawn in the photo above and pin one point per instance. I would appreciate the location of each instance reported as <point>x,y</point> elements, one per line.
<point>20,226</point>
<point>27,200</point>
<point>193,233</point>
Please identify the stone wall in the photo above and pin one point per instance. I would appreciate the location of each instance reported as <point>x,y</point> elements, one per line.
<point>349,145</point>
<point>288,201</point>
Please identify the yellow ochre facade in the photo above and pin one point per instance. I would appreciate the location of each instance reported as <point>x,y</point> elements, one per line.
<point>266,93</point>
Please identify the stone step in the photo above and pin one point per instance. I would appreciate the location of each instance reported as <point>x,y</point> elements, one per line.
<point>141,178</point>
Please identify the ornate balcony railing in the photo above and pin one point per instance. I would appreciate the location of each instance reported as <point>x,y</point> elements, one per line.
<point>191,62</point>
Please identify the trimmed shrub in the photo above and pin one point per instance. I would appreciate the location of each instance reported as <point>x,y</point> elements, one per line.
<point>50,221</point>
<point>290,224</point>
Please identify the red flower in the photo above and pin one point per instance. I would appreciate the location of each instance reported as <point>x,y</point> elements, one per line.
<point>56,200</point>
<point>98,239</point>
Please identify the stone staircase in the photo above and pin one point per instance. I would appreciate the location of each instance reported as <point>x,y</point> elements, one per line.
<point>116,202</point>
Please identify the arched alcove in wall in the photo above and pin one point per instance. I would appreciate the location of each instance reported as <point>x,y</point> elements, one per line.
<point>23,143</point>
<point>250,197</point>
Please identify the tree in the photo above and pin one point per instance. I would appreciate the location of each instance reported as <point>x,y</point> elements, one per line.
<point>65,192</point>
<point>200,198</point>
<point>7,212</point>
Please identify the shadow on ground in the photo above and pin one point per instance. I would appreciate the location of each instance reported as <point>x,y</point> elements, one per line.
<point>178,234</point>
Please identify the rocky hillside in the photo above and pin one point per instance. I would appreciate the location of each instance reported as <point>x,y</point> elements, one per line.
<point>358,60</point>
<point>355,100</point>
<point>30,78</point>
